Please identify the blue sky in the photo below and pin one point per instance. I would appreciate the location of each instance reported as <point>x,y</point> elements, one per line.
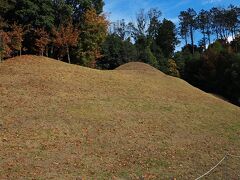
<point>126,9</point>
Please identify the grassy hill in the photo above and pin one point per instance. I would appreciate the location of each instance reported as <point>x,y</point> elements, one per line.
<point>61,121</point>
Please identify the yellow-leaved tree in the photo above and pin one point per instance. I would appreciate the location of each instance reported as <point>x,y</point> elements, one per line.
<point>93,34</point>
<point>172,68</point>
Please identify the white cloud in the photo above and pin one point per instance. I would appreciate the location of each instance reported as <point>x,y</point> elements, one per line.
<point>211,1</point>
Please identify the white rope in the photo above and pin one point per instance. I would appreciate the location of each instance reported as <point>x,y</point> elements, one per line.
<point>212,168</point>
<point>217,165</point>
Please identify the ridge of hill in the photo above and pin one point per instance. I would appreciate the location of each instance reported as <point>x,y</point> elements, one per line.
<point>138,66</point>
<point>64,121</point>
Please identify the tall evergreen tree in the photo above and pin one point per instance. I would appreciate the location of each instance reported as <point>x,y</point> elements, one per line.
<point>183,30</point>
<point>188,23</point>
<point>203,23</point>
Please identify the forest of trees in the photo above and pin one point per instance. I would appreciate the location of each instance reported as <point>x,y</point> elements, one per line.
<point>213,63</point>
<point>78,32</point>
<point>149,39</point>
<point>71,30</point>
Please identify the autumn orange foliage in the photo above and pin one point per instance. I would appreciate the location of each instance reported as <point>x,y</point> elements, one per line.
<point>42,41</point>
<point>5,50</point>
<point>65,36</point>
<point>95,32</point>
<point>16,36</point>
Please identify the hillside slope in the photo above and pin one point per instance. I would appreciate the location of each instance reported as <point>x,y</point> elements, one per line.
<point>61,121</point>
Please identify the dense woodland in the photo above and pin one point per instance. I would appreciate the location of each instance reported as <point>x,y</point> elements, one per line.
<point>63,29</point>
<point>77,31</point>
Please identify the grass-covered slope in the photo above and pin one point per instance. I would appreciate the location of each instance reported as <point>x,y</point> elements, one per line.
<point>61,121</point>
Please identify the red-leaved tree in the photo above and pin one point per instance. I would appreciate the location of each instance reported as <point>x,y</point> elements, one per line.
<point>65,36</point>
<point>16,36</point>
<point>5,50</point>
<point>42,40</point>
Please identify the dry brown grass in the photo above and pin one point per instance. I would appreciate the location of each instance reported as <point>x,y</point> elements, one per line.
<point>61,121</point>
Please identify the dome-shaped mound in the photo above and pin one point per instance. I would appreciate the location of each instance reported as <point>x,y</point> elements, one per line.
<point>137,66</point>
<point>57,118</point>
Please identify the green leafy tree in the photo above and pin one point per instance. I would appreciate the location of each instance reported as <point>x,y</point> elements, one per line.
<point>32,13</point>
<point>236,44</point>
<point>116,52</point>
<point>80,7</point>
<point>167,37</point>
<point>93,34</point>
<point>154,15</point>
<point>188,23</point>
<point>232,16</point>
<point>62,12</point>
<point>204,24</point>
<point>5,6</point>
<point>143,46</point>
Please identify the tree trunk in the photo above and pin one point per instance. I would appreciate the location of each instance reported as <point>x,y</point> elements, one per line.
<point>209,38</point>
<point>69,60</point>
<point>217,34</point>
<point>186,42</point>
<point>204,39</point>
<point>221,34</point>
<point>20,52</point>
<point>52,50</point>
<point>233,35</point>
<point>47,51</point>
<point>192,41</point>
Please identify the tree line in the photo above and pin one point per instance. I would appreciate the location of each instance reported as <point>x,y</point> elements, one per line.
<point>212,64</point>
<point>220,23</point>
<point>149,39</point>
<point>63,29</point>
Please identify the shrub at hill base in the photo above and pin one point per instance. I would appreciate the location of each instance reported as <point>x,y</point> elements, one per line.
<point>172,68</point>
